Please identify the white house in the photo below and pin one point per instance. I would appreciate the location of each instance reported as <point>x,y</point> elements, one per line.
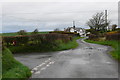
<point>80,31</point>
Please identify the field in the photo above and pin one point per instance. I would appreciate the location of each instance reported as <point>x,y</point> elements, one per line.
<point>115,44</point>
<point>15,34</point>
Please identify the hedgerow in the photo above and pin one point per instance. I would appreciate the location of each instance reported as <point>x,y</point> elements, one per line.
<point>36,42</point>
<point>113,35</point>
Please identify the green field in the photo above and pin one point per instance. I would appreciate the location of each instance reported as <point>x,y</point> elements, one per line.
<point>15,34</point>
<point>115,44</point>
<point>12,69</point>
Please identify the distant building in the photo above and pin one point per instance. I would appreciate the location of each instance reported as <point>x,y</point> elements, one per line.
<point>80,31</point>
<point>109,27</point>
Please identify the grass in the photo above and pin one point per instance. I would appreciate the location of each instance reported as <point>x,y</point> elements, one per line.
<point>38,48</point>
<point>0,65</point>
<point>15,34</point>
<point>69,45</point>
<point>8,34</point>
<point>12,69</point>
<point>115,44</point>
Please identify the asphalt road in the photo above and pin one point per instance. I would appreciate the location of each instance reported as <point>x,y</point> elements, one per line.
<point>86,61</point>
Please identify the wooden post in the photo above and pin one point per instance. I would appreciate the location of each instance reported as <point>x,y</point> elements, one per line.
<point>106,20</point>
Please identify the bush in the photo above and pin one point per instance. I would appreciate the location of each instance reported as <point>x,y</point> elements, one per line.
<point>36,42</point>
<point>22,32</point>
<point>73,34</point>
<point>93,37</point>
<point>19,40</point>
<point>115,36</point>
<point>35,31</point>
<point>40,40</point>
<point>93,31</point>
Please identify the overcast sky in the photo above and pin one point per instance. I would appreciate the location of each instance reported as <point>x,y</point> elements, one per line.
<point>47,16</point>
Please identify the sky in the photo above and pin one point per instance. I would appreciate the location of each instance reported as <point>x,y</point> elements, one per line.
<point>48,15</point>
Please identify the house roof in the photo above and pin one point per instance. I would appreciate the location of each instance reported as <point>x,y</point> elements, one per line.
<point>77,29</point>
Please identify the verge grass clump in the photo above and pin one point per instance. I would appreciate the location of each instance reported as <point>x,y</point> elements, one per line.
<point>70,45</point>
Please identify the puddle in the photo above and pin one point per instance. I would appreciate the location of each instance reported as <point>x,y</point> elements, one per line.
<point>43,57</point>
<point>79,61</point>
<point>88,47</point>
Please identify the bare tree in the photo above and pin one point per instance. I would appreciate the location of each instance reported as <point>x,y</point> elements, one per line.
<point>97,22</point>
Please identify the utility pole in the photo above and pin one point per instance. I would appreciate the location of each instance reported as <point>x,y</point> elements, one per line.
<point>106,21</point>
<point>73,24</point>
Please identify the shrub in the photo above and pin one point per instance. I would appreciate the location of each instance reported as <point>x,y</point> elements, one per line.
<point>22,32</point>
<point>19,40</point>
<point>114,36</point>
<point>114,27</point>
<point>93,31</point>
<point>35,31</point>
<point>37,39</point>
<point>93,37</point>
<point>57,29</point>
<point>68,33</point>
<point>112,32</point>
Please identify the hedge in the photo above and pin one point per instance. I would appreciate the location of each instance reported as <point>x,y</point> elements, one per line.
<point>115,36</point>
<point>93,37</point>
<point>37,39</point>
<point>68,33</point>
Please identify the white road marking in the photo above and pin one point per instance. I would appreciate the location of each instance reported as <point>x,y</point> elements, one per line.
<point>35,68</point>
<point>38,72</point>
<point>43,68</point>
<point>50,62</point>
<point>53,62</point>
<point>47,63</point>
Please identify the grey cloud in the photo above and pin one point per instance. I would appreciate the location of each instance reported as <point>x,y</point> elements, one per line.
<point>51,15</point>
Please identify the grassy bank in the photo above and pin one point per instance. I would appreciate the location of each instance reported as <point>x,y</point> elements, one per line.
<point>60,46</point>
<point>12,69</point>
<point>115,44</point>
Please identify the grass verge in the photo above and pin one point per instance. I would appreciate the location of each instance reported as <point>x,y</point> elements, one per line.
<point>37,48</point>
<point>12,69</point>
<point>69,45</point>
<point>115,44</point>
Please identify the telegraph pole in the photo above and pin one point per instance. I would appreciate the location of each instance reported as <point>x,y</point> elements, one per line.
<point>106,21</point>
<point>73,24</point>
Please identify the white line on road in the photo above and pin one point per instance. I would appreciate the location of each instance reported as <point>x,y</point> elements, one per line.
<point>47,63</point>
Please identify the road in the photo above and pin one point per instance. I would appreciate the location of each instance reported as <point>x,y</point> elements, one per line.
<point>86,61</point>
